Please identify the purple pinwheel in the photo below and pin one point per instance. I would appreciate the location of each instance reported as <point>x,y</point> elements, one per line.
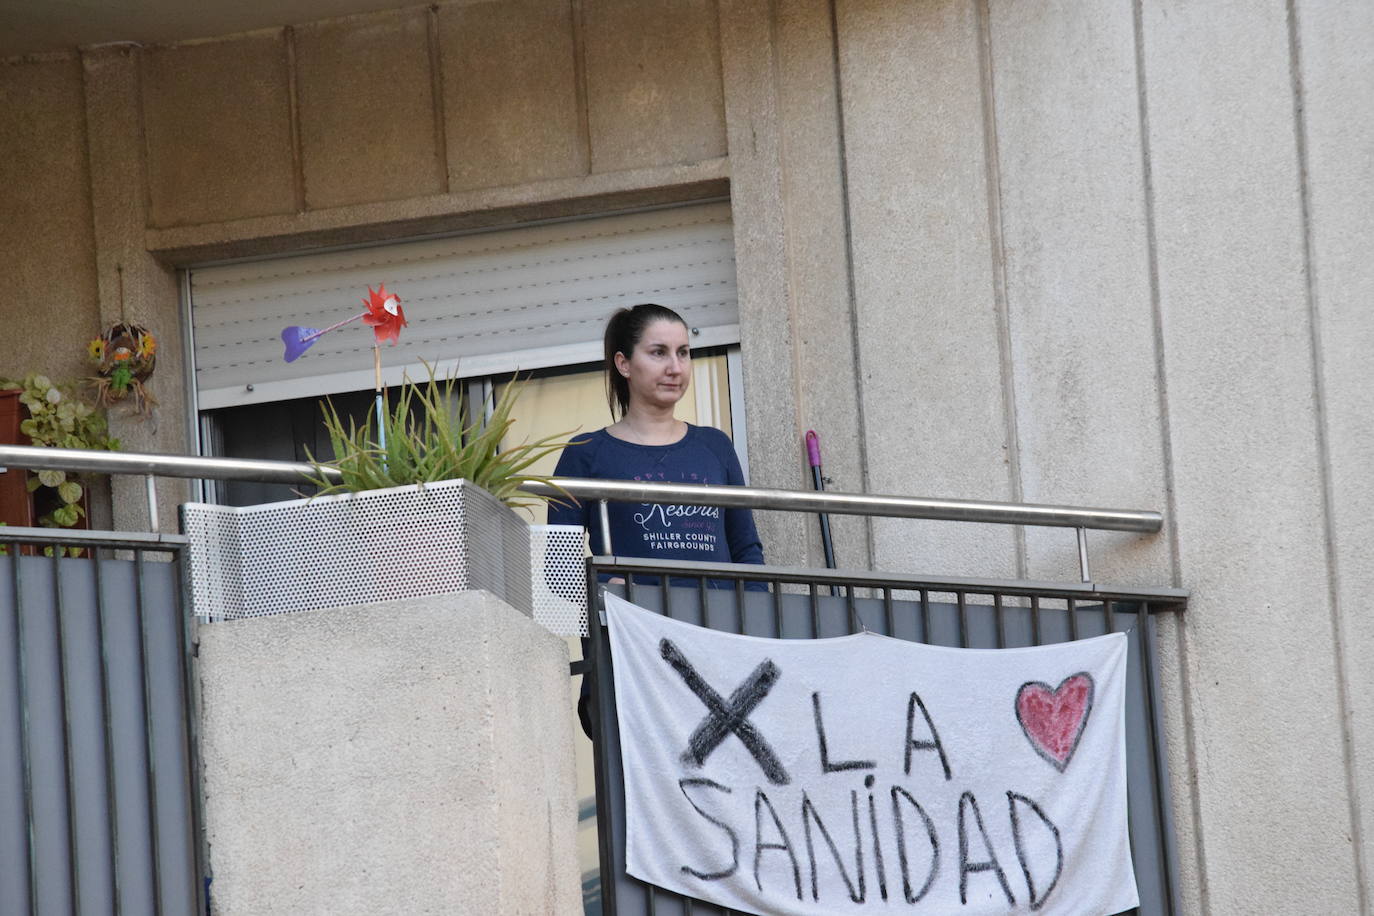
<point>383,314</point>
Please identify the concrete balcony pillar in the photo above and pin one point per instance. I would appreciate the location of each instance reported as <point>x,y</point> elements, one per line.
<point>407,757</point>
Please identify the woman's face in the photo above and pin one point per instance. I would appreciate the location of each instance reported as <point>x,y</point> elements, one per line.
<point>660,367</point>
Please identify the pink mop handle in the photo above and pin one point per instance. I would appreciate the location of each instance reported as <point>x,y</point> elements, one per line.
<point>813,448</point>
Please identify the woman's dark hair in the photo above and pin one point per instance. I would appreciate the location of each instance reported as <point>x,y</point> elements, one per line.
<point>623,332</point>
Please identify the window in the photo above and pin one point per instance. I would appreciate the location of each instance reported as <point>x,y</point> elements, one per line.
<point>479,305</point>
<point>558,400</point>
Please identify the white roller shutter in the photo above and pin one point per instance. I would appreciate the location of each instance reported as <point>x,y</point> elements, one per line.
<point>478,304</point>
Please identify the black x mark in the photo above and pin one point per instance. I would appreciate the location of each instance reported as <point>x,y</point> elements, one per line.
<point>725,717</point>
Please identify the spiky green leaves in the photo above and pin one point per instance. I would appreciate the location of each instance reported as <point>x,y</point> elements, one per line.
<point>427,441</point>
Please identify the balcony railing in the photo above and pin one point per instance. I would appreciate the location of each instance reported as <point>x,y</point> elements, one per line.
<point>98,747</point>
<point>807,603</point>
<point>150,466</point>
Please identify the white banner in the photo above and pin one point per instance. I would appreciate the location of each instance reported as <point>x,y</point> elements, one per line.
<point>866,774</point>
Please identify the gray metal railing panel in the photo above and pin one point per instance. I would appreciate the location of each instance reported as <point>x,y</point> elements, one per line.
<point>16,805</point>
<point>97,812</point>
<point>981,615</point>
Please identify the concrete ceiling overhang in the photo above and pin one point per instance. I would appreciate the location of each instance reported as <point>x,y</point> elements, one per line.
<point>46,26</point>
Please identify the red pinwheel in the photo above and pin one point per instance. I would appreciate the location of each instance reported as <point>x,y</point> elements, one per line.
<point>384,314</point>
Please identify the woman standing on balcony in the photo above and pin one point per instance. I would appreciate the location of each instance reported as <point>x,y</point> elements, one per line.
<point>648,368</point>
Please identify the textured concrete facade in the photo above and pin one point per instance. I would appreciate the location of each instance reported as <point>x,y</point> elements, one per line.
<point>1237,360</point>
<point>816,279</point>
<point>390,54</point>
<point>1082,359</point>
<point>653,74</point>
<point>217,123</point>
<point>768,325</point>
<point>133,284</point>
<point>1332,59</point>
<point>514,107</point>
<point>1104,254</point>
<point>929,312</point>
<point>408,757</point>
<point>47,251</point>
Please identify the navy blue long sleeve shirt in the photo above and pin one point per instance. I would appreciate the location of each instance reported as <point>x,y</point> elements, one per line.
<point>652,530</point>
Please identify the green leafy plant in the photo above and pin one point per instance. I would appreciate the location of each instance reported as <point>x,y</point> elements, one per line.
<point>59,418</point>
<point>426,442</point>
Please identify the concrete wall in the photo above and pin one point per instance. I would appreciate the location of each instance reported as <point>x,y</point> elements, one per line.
<point>1106,254</point>
<point>398,757</point>
<point>47,251</point>
<point>1102,255</point>
<point>1330,45</point>
<point>1248,458</point>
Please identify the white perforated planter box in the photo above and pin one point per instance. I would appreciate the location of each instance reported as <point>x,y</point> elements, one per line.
<point>356,548</point>
<point>559,568</point>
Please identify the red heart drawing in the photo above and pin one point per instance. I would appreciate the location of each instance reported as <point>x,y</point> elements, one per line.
<point>1053,720</point>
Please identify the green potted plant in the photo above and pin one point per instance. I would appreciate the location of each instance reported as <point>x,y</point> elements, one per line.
<point>58,417</point>
<point>422,440</point>
<point>423,507</point>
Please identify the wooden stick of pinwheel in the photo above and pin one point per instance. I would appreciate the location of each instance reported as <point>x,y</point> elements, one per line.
<point>384,315</point>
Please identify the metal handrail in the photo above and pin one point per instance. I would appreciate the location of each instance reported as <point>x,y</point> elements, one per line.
<point>1160,598</point>
<point>959,510</point>
<point>142,463</point>
<point>836,503</point>
<point>81,537</point>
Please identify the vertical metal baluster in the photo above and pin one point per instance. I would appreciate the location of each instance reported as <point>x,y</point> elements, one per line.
<point>962,599</point>
<point>1073,619</point>
<point>1083,555</point>
<point>21,667</point>
<point>887,612</point>
<point>610,873</point>
<point>739,606</point>
<point>64,688</point>
<point>702,603</point>
<point>777,606</point>
<point>1111,615</point>
<point>150,488</point>
<point>1001,617</point>
<point>852,603</point>
<point>924,635</point>
<point>815,611</point>
<point>151,776</point>
<point>1145,622</point>
<point>1035,620</point>
<point>191,723</point>
<point>667,611</point>
<point>741,596</point>
<point>604,516</point>
<point>112,799</point>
